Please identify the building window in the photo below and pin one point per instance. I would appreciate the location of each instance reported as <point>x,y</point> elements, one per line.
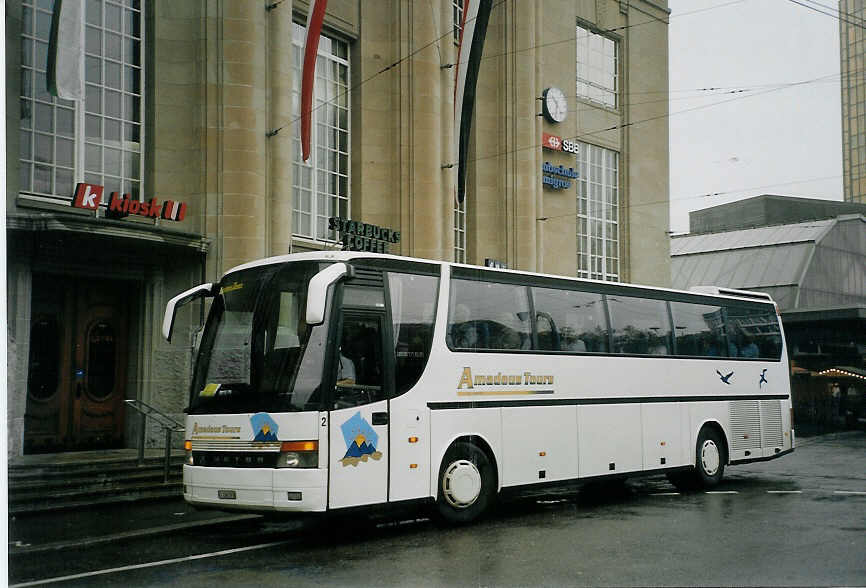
<point>460,232</point>
<point>598,213</point>
<point>98,140</point>
<point>320,186</point>
<point>457,13</point>
<point>597,66</point>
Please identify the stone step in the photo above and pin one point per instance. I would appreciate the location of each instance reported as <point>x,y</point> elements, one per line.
<point>42,501</point>
<point>23,474</point>
<point>88,480</point>
<point>25,467</point>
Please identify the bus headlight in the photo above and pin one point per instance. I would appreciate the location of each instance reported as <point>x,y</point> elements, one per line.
<point>298,454</point>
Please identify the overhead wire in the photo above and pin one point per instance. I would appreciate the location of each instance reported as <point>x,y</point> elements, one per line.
<point>757,89</point>
<point>660,116</point>
<point>848,19</point>
<point>709,195</point>
<point>436,41</point>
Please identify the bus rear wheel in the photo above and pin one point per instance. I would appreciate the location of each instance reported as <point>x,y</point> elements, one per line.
<point>466,484</point>
<point>710,458</point>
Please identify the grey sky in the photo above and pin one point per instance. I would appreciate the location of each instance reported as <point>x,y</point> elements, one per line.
<point>776,137</point>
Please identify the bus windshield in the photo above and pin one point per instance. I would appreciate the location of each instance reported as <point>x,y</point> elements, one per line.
<point>257,352</point>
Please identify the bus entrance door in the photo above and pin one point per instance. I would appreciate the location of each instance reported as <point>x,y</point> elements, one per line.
<point>359,417</point>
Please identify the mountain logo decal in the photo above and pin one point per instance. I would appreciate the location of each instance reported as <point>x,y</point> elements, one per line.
<point>360,440</point>
<point>264,427</point>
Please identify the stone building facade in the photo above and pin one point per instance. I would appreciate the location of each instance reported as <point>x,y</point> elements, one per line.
<point>196,103</point>
<point>852,52</point>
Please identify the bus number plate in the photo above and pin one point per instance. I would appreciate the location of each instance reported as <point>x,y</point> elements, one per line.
<point>227,494</point>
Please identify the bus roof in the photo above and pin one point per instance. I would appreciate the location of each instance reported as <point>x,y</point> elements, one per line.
<point>334,256</point>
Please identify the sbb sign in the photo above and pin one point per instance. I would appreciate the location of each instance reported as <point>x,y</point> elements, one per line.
<point>559,144</point>
<point>88,197</point>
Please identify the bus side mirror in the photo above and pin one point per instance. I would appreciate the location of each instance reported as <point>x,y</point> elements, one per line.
<point>200,291</point>
<point>317,292</point>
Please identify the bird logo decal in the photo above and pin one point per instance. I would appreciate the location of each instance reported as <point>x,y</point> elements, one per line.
<point>726,378</point>
<point>763,379</point>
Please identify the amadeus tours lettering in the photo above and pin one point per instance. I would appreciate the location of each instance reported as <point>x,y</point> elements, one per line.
<point>502,383</point>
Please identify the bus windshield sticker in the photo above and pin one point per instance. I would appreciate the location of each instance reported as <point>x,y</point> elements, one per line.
<point>360,440</point>
<point>264,426</point>
<point>231,288</point>
<point>209,390</point>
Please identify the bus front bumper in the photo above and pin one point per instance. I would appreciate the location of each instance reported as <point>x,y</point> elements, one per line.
<point>256,489</point>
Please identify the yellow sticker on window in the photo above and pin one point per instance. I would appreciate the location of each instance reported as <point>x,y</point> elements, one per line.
<point>231,288</point>
<point>209,390</point>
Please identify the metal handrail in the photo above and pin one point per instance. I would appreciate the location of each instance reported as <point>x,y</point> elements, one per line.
<point>168,424</point>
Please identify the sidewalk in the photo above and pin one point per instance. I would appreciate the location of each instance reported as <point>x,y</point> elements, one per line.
<point>51,531</point>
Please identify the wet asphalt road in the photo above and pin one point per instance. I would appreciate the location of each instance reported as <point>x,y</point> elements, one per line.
<point>798,520</point>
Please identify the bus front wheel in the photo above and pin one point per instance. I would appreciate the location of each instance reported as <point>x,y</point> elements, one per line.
<point>466,483</point>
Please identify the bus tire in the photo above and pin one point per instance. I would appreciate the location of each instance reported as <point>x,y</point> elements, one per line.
<point>710,458</point>
<point>466,484</point>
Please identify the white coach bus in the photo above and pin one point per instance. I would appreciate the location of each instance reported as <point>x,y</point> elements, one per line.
<point>332,380</point>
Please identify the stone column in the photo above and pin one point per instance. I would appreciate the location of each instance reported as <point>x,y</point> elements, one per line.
<point>422,111</point>
<point>235,72</point>
<point>279,146</point>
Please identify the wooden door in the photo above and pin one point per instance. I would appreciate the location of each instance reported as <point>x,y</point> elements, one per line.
<point>77,364</point>
<point>100,360</point>
<point>49,373</point>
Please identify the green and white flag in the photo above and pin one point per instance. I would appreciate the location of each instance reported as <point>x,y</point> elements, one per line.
<point>66,50</point>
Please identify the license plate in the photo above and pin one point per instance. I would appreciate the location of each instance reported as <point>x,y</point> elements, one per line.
<point>227,494</point>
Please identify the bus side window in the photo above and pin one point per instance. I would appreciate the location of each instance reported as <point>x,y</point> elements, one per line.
<point>640,325</point>
<point>498,316</point>
<point>413,312</point>
<point>754,332</point>
<point>699,329</point>
<point>575,321</point>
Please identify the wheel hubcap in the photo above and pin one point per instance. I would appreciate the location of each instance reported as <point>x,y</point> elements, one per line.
<point>461,484</point>
<point>710,457</point>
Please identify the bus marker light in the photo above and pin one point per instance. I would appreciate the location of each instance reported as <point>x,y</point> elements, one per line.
<point>663,443</point>
<point>413,439</point>
<point>294,495</point>
<point>413,466</point>
<point>299,446</point>
<point>187,445</point>
<point>542,453</point>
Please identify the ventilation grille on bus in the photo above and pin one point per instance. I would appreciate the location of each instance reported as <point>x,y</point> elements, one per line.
<point>771,421</point>
<point>368,277</point>
<point>235,445</point>
<point>745,425</point>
